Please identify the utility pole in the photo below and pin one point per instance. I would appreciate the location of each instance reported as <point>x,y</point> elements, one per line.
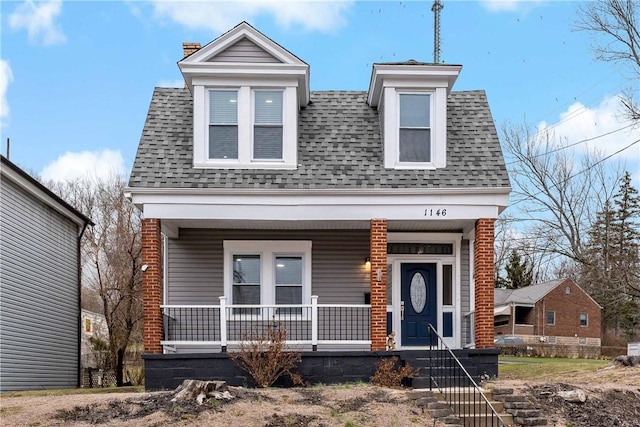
<point>436,8</point>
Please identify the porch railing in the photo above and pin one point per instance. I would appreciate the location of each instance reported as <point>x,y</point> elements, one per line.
<point>226,324</point>
<point>463,395</point>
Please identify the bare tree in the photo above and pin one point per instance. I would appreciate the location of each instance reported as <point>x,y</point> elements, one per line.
<point>111,259</point>
<point>557,193</point>
<point>617,30</point>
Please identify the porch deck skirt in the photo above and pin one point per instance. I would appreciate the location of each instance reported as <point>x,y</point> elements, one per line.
<point>167,371</point>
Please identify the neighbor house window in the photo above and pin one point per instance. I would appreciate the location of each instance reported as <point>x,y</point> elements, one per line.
<point>267,129</point>
<point>223,124</point>
<point>551,317</point>
<point>268,273</point>
<point>414,142</point>
<point>584,319</point>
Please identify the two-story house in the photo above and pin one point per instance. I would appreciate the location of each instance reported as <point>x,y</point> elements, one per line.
<point>342,216</point>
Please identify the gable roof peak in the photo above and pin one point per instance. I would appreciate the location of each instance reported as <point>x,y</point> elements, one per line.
<point>244,52</point>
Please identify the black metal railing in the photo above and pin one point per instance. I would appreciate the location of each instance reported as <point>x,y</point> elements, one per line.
<point>246,324</point>
<point>463,395</point>
<point>193,323</point>
<point>343,322</point>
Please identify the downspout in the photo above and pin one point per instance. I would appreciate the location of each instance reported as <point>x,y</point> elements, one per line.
<point>513,319</point>
<point>79,261</point>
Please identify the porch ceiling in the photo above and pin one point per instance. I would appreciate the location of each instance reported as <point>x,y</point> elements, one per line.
<point>394,225</point>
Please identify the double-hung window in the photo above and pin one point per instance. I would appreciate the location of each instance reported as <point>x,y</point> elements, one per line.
<point>414,141</point>
<point>268,273</point>
<point>267,128</point>
<point>247,280</point>
<point>584,319</point>
<point>551,317</point>
<point>223,124</point>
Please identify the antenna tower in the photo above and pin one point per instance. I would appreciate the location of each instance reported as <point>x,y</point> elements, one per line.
<point>436,8</point>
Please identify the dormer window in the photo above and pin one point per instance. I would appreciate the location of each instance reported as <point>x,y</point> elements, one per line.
<point>223,124</point>
<point>267,127</point>
<point>411,98</point>
<point>247,91</point>
<point>234,139</point>
<point>414,140</point>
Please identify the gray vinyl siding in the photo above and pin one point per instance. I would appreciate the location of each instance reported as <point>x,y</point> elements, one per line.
<point>39,319</point>
<point>244,51</point>
<point>465,289</point>
<point>195,263</point>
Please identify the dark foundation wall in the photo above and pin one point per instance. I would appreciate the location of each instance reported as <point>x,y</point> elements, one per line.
<point>167,371</point>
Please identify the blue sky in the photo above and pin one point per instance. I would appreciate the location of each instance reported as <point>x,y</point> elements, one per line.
<point>76,77</point>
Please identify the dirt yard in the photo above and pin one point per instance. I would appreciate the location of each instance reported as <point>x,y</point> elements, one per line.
<point>613,399</point>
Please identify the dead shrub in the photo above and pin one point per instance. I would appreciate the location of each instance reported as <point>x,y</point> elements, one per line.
<point>267,358</point>
<point>390,372</point>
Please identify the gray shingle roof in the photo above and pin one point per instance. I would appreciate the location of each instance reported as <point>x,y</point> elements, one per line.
<point>526,295</point>
<point>339,146</point>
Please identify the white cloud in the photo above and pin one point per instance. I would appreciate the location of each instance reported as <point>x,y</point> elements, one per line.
<point>92,164</point>
<point>6,77</point>
<point>506,5</point>
<point>579,123</point>
<point>39,19</point>
<point>221,16</point>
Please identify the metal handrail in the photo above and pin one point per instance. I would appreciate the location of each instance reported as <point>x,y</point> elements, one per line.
<point>450,363</point>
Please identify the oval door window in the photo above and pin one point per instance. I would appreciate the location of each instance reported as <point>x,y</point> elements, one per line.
<point>418,292</point>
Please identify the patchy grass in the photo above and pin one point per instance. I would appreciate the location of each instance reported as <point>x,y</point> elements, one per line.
<point>68,391</point>
<point>529,368</point>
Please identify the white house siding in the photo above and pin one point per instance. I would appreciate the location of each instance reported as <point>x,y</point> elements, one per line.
<point>244,51</point>
<point>195,266</point>
<point>38,294</point>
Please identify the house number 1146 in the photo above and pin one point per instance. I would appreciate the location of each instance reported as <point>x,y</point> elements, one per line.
<point>435,212</point>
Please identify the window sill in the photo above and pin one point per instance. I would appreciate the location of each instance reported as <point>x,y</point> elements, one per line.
<point>418,166</point>
<point>238,165</point>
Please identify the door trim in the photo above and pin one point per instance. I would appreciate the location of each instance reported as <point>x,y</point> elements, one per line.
<point>439,260</point>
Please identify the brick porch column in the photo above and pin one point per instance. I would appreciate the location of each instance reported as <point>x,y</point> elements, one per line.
<point>484,282</point>
<point>378,252</point>
<point>152,285</point>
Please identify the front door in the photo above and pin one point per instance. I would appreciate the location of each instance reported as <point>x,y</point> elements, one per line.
<point>418,291</point>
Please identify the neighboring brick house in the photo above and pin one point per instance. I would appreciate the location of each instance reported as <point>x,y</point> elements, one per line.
<point>555,312</point>
<point>341,215</point>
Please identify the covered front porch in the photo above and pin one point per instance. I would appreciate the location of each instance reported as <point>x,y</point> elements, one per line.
<point>330,287</point>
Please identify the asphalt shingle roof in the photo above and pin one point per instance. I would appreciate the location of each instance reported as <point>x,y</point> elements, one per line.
<point>527,295</point>
<point>339,146</point>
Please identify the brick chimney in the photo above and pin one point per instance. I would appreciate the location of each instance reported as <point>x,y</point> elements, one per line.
<point>188,49</point>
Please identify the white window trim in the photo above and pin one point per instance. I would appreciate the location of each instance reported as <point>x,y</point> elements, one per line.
<point>546,320</point>
<point>438,126</point>
<point>268,250</point>
<point>246,113</point>
<point>580,320</point>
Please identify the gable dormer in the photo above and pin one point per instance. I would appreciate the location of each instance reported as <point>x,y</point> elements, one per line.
<point>411,98</point>
<point>247,91</point>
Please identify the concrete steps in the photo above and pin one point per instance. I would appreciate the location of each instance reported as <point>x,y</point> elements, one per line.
<point>467,410</point>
